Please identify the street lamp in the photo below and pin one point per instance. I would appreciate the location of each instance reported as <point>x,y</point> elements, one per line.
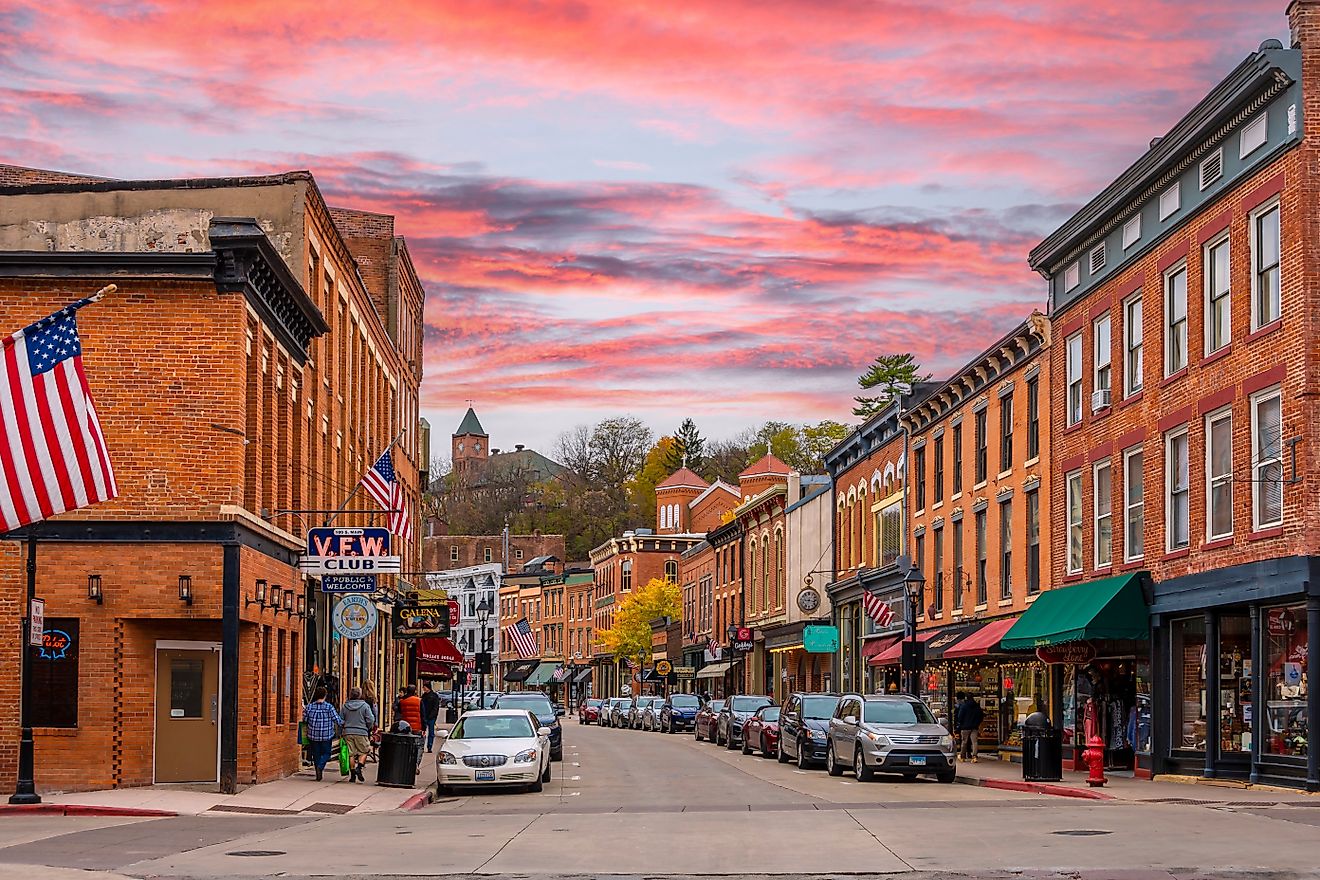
<point>914,584</point>
<point>483,658</point>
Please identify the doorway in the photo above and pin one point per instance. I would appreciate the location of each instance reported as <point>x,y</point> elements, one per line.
<point>188,714</point>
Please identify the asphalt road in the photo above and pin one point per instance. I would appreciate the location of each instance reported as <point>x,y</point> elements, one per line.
<point>657,806</point>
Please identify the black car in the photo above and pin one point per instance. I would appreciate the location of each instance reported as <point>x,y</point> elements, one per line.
<point>546,714</point>
<point>804,726</point>
<point>736,711</point>
<point>679,713</point>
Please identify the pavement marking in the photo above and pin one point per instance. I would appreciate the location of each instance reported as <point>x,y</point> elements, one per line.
<point>574,778</point>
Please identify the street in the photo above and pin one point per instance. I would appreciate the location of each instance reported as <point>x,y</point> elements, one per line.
<point>647,804</point>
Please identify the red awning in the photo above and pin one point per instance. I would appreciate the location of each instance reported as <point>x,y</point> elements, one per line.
<point>438,650</point>
<point>877,645</point>
<point>894,652</point>
<point>441,671</point>
<point>983,641</point>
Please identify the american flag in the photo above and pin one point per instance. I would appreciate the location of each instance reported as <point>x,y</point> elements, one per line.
<point>381,484</point>
<point>713,648</point>
<point>877,609</point>
<point>524,641</point>
<point>52,452</point>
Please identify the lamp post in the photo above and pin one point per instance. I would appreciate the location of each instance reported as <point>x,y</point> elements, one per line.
<point>913,582</point>
<point>483,659</point>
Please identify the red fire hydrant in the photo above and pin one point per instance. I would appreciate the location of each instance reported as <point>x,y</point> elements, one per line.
<point>1094,756</point>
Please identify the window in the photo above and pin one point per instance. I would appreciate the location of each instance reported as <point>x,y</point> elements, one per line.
<point>1253,137</point>
<point>1033,542</point>
<point>1265,280</point>
<point>1132,232</point>
<point>517,554</point>
<point>1175,321</point>
<point>1033,417</point>
<point>937,481</point>
<point>939,571</point>
<point>1006,550</point>
<point>919,560</point>
<point>1212,167</point>
<point>1187,645</point>
<point>920,467</point>
<point>1072,276</point>
<point>1074,490</point>
<point>981,589</point>
<point>625,577</point>
<point>891,532</point>
<point>981,441</point>
<point>1134,505</point>
<point>1096,260</point>
<point>1006,433</point>
<point>1286,670</point>
<point>1218,313</point>
<point>1103,504</point>
<point>1132,360</point>
<point>489,554</point>
<point>453,553</point>
<point>958,576</point>
<point>1074,378</point>
<point>1170,200</point>
<point>957,459</point>
<point>1176,492</point>
<point>1101,379</point>
<point>671,571</point>
<point>52,694</point>
<point>1267,459</point>
<point>1219,474</point>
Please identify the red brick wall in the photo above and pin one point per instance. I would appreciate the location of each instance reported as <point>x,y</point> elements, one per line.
<point>850,551</point>
<point>437,550</point>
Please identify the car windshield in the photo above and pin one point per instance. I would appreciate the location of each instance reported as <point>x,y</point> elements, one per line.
<point>770,714</point>
<point>684,701</point>
<point>819,707</point>
<point>538,704</point>
<point>493,727</point>
<point>716,705</point>
<point>593,703</point>
<point>749,704</point>
<point>897,712</point>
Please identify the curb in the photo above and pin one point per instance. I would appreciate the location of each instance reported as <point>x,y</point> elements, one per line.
<point>80,810</point>
<point>1038,788</point>
<point>417,801</point>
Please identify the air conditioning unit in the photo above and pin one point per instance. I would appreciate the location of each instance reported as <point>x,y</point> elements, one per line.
<point>1099,400</point>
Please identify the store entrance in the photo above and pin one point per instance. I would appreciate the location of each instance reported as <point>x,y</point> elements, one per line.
<point>1109,704</point>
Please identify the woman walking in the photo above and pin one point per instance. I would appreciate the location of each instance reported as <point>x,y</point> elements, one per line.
<point>369,694</point>
<point>359,722</point>
<point>323,722</point>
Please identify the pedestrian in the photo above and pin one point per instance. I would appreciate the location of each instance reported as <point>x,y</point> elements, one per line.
<point>322,723</point>
<point>369,694</point>
<point>403,692</point>
<point>410,708</point>
<point>359,722</point>
<point>430,712</point>
<point>966,724</point>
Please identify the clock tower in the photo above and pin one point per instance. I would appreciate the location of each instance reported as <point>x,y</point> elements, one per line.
<point>470,445</point>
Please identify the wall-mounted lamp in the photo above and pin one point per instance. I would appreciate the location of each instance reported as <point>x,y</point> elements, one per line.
<point>185,589</point>
<point>94,589</point>
<point>302,607</point>
<point>259,598</point>
<point>288,602</point>
<point>275,590</point>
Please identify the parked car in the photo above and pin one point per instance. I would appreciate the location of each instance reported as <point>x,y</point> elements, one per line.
<point>651,714</point>
<point>888,734</point>
<point>679,712</point>
<point>736,711</point>
<point>803,727</point>
<point>589,711</point>
<point>619,708</point>
<point>761,732</point>
<point>546,713</point>
<point>703,723</point>
<point>493,747</point>
<point>637,711</point>
<point>473,700</point>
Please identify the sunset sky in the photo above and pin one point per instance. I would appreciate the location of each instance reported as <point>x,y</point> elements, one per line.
<point>720,210</point>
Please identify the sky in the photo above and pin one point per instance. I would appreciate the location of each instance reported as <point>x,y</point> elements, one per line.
<point>717,210</point>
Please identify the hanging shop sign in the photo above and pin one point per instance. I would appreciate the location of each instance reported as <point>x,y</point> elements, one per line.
<point>820,639</point>
<point>348,583</point>
<point>454,617</point>
<point>414,622</point>
<point>685,671</point>
<point>354,616</point>
<point>1071,652</point>
<point>663,667</point>
<point>348,551</point>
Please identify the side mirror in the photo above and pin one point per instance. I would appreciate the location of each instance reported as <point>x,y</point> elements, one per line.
<point>441,733</point>
<point>542,731</point>
<point>850,720</point>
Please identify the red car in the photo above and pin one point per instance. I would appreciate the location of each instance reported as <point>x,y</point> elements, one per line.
<point>589,712</point>
<point>704,725</point>
<point>761,732</point>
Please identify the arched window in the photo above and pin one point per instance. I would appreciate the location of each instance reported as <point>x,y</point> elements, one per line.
<point>765,571</point>
<point>751,573</point>
<point>779,568</point>
<point>842,550</point>
<point>671,570</point>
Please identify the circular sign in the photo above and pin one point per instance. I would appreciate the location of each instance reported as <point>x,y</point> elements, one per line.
<point>808,600</point>
<point>354,617</point>
<point>663,667</point>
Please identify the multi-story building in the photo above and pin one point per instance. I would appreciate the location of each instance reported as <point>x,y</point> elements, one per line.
<point>761,521</point>
<point>688,505</point>
<point>469,586</point>
<point>809,536</point>
<point>261,352</point>
<point>442,552</point>
<point>697,568</point>
<point>1185,396</point>
<point>580,628</point>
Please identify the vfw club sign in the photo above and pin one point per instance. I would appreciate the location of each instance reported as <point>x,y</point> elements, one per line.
<point>333,551</point>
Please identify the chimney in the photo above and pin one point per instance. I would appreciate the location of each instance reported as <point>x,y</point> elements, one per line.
<point>794,487</point>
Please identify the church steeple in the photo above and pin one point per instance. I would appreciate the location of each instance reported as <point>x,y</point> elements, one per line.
<point>470,442</point>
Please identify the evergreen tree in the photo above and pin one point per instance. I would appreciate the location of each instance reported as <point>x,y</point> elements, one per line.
<point>892,375</point>
<point>688,449</point>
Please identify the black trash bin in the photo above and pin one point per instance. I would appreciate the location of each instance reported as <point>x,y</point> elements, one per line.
<point>398,756</point>
<point>1042,750</point>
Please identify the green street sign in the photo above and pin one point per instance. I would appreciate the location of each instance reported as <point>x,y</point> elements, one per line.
<point>820,639</point>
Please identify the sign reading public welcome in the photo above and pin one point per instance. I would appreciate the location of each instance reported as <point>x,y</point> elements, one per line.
<point>348,551</point>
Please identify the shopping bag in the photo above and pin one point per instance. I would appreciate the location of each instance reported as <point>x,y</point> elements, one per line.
<point>343,757</point>
<point>302,733</point>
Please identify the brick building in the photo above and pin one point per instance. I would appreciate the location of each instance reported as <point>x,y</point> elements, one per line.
<point>242,370</point>
<point>1184,303</point>
<point>445,552</point>
<point>687,504</point>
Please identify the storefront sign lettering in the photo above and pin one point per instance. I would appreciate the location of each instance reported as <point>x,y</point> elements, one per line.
<point>820,639</point>
<point>1073,652</point>
<point>55,644</point>
<point>1280,621</point>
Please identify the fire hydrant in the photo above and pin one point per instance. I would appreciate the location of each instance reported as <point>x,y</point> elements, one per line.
<point>1094,756</point>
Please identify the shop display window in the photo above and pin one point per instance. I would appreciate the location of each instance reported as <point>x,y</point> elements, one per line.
<point>1235,683</point>
<point>1188,657</point>
<point>981,682</point>
<point>1068,719</point>
<point>1141,733</point>
<point>1024,686</point>
<point>935,693</point>
<point>1285,680</point>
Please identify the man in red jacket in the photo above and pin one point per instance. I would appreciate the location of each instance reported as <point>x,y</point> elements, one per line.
<point>410,709</point>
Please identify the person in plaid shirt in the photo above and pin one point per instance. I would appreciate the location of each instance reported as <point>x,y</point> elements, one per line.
<point>323,722</point>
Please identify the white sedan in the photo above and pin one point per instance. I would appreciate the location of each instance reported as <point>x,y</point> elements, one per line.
<point>494,747</point>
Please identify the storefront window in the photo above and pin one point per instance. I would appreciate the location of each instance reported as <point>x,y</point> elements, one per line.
<point>1235,683</point>
<point>1141,733</point>
<point>847,637</point>
<point>1025,686</point>
<point>981,681</point>
<point>1068,711</point>
<point>935,692</point>
<point>1285,681</point>
<point>1188,676</point>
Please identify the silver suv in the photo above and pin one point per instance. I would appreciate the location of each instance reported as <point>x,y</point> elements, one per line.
<point>888,734</point>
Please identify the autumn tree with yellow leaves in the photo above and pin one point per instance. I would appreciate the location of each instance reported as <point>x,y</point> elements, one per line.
<point>630,636</point>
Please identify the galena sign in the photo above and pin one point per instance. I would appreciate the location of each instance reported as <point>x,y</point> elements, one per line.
<point>348,551</point>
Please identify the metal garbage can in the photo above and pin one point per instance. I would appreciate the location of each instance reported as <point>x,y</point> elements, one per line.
<point>1042,750</point>
<point>399,755</point>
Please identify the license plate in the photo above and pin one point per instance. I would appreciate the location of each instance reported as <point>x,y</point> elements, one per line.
<point>489,775</point>
<point>917,760</point>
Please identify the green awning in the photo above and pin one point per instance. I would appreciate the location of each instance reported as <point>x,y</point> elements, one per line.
<point>542,674</point>
<point>1112,608</point>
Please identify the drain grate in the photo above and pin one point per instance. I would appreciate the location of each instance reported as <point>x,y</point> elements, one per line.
<point>1081,833</point>
<point>1192,802</point>
<point>335,809</point>
<point>253,811</point>
<point>256,853</point>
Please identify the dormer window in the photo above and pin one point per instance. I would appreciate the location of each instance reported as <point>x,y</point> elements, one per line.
<point>1254,135</point>
<point>1170,200</point>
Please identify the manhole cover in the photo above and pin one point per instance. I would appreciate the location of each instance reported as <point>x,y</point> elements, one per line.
<point>256,853</point>
<point>1081,833</point>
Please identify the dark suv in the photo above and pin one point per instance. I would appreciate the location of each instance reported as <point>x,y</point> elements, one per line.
<point>547,715</point>
<point>736,711</point>
<point>804,727</point>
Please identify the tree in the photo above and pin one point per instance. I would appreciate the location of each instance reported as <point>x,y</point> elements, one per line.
<point>892,375</point>
<point>689,449</point>
<point>631,634</point>
<point>654,470</point>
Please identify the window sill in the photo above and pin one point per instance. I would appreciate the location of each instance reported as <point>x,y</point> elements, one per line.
<point>939,615</point>
<point>1173,377</point>
<point>1098,414</point>
<point>1031,462</point>
<point>1262,534</point>
<point>1004,603</point>
<point>1215,544</point>
<point>980,607</point>
<point>1130,399</point>
<point>1265,330</point>
<point>921,512</point>
<point>1032,597</point>
<point>979,486</point>
<point>1176,554</point>
<point>956,496</point>
<point>937,505</point>
<point>1004,475</point>
<point>1073,576</point>
<point>1103,569</point>
<point>1075,426</point>
<point>1218,354</point>
<point>1134,562</point>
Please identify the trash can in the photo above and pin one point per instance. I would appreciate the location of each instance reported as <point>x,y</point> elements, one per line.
<point>1042,750</point>
<point>398,757</point>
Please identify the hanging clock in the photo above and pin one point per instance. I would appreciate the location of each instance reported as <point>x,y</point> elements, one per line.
<point>808,600</point>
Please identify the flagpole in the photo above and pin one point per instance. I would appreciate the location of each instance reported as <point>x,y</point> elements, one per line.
<point>353,494</point>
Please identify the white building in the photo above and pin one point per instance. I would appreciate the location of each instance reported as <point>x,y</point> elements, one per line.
<point>469,586</point>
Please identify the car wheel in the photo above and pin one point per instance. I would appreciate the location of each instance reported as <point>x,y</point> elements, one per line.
<point>780,754</point>
<point>537,786</point>
<point>443,790</point>
<point>728,741</point>
<point>832,766</point>
<point>765,750</point>
<point>947,775</point>
<point>557,756</point>
<point>803,762</point>
<point>860,770</point>
<point>545,776</point>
